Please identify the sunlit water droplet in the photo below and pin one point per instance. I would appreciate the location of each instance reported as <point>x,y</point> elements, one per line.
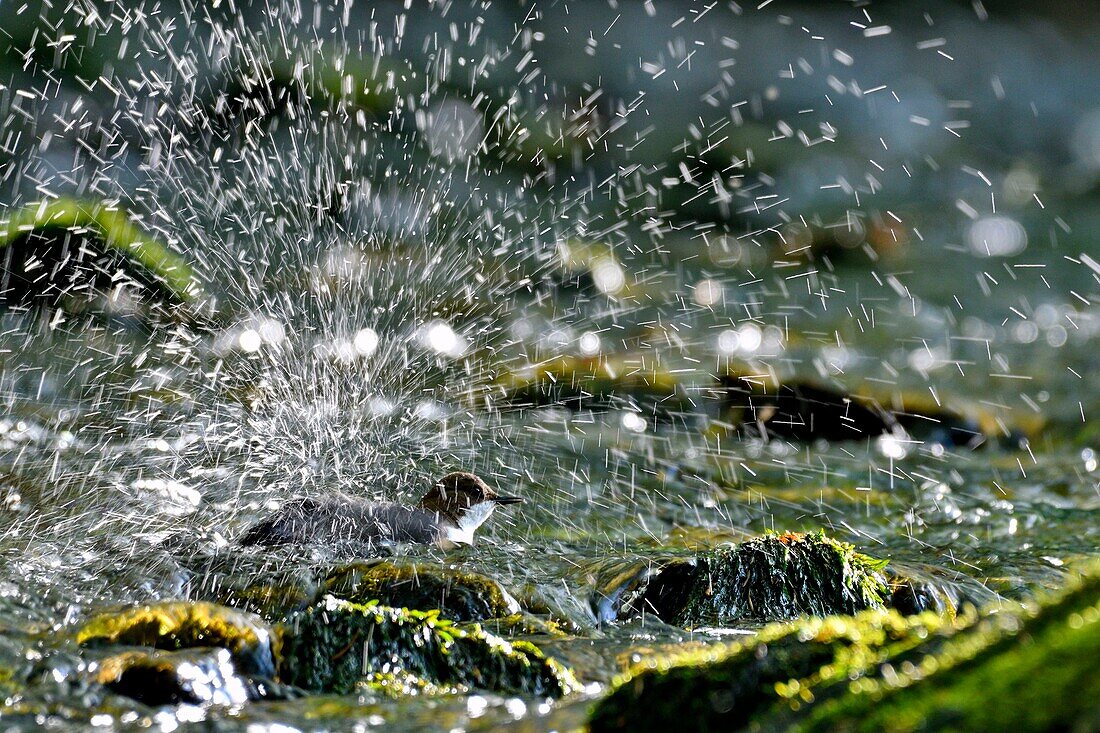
<point>366,342</point>
<point>589,343</point>
<point>997,236</point>
<point>608,275</point>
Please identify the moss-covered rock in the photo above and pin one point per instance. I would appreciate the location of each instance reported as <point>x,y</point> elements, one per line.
<point>597,383</point>
<point>520,624</point>
<point>782,576</point>
<point>70,234</point>
<point>158,678</point>
<point>1028,671</point>
<point>723,686</point>
<point>336,645</point>
<point>273,600</point>
<point>175,625</point>
<point>456,594</point>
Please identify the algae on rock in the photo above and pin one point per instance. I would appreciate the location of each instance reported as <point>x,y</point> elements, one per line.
<point>723,686</point>
<point>151,262</point>
<point>1024,670</point>
<point>782,576</point>
<point>1029,671</point>
<point>174,625</point>
<point>337,645</point>
<point>456,594</point>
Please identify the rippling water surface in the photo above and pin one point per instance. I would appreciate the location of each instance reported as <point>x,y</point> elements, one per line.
<point>380,246</point>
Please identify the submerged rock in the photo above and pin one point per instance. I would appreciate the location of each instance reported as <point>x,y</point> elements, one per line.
<point>633,587</point>
<point>911,596</point>
<point>803,411</point>
<point>456,594</point>
<point>175,625</point>
<point>800,411</point>
<point>169,678</point>
<point>722,687</point>
<point>337,645</point>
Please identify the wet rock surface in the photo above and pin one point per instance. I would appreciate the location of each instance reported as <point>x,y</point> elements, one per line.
<point>773,577</point>
<point>178,625</point>
<point>595,384</point>
<point>625,588</point>
<point>337,645</point>
<point>190,676</point>
<point>727,685</point>
<point>1030,670</point>
<point>800,411</point>
<point>64,251</point>
<point>457,595</point>
<point>1024,669</point>
<point>782,576</point>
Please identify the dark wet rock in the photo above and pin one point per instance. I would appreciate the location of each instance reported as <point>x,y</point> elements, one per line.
<point>800,411</point>
<point>456,594</point>
<point>764,579</point>
<point>193,676</point>
<point>66,250</point>
<point>569,610</point>
<point>632,587</point>
<point>926,421</point>
<point>782,576</point>
<point>910,596</point>
<point>804,411</point>
<point>337,645</point>
<point>841,239</point>
<point>724,686</point>
<point>174,625</point>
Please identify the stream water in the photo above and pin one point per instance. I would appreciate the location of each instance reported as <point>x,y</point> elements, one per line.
<point>513,186</point>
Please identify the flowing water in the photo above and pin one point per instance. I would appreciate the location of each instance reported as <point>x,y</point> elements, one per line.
<point>390,210</point>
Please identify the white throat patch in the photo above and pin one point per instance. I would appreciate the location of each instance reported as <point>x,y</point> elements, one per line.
<point>473,518</point>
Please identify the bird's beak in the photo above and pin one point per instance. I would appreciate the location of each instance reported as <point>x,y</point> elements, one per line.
<point>508,500</point>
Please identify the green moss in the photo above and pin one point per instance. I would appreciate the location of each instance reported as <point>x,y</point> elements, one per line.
<point>458,595</point>
<point>400,683</point>
<point>333,646</point>
<point>1030,670</point>
<point>174,625</point>
<point>1033,671</point>
<point>521,624</point>
<point>723,686</point>
<point>115,231</point>
<point>782,576</point>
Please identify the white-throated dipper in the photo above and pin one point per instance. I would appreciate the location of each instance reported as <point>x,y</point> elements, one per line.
<point>447,515</point>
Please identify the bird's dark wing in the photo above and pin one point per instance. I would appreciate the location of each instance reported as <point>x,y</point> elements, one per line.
<point>289,526</point>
